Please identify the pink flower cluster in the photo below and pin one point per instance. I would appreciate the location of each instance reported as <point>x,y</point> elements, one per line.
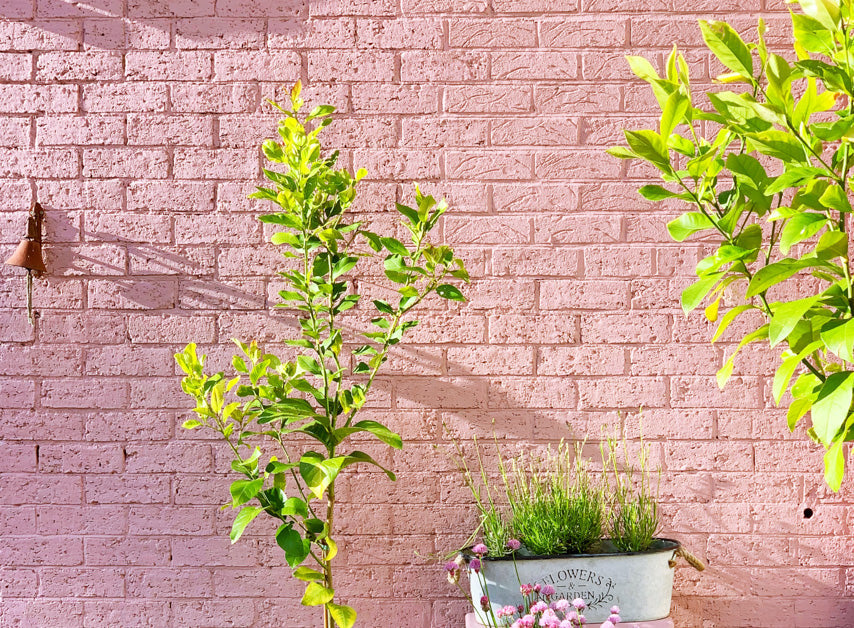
<point>539,610</point>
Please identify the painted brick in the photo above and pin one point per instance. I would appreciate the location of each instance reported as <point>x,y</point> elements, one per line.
<point>302,33</point>
<point>137,126</point>
<point>251,65</point>
<point>78,66</point>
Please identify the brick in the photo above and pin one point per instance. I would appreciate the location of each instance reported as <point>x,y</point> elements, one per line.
<point>157,196</point>
<point>583,360</point>
<point>311,33</point>
<point>40,35</point>
<point>160,520</point>
<point>492,33</point>
<point>17,393</point>
<point>62,164</point>
<point>399,34</point>
<point>81,458</point>
<point>490,166</point>
<point>16,67</point>
<point>220,163</point>
<point>65,195</point>
<point>490,360</point>
<point>53,551</point>
<point>454,66</point>
<point>213,98</point>
<point>487,99</point>
<point>252,65</point>
<point>169,582</point>
<point>82,328</point>
<point>78,66</point>
<point>124,97</point>
<point>219,32</point>
<point>353,7</point>
<point>408,99</point>
<point>534,132</point>
<point>80,520</point>
<point>647,392</point>
<point>126,489</point>
<point>398,164</point>
<point>77,130</point>
<point>350,66</point>
<point>137,294</point>
<point>130,163</point>
<point>534,65</point>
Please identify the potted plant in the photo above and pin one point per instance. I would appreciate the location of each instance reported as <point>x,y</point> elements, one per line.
<point>770,182</point>
<point>549,521</point>
<point>289,422</point>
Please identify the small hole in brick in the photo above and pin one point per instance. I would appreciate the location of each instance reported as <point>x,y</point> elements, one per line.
<point>807,513</point>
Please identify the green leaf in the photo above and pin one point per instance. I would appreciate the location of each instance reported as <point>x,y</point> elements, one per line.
<point>831,408</point>
<point>779,144</point>
<point>800,227</point>
<point>447,291</point>
<point>784,373</point>
<point>786,316</point>
<point>824,11</point>
<point>190,424</point>
<point>812,35</point>
<point>649,145</point>
<point>674,112</point>
<point>621,152</point>
<point>832,244</point>
<point>243,519</point>
<point>727,45</point>
<point>377,429</point>
<point>244,490</point>
<point>395,246</point>
<point>793,177</point>
<point>839,339</point>
<point>694,294</point>
<point>688,224</point>
<point>835,198</point>
<point>296,548</point>
<point>834,465</point>
<point>316,595</point>
<point>343,616</point>
<point>295,506</point>
<point>656,193</point>
<point>773,274</point>
<point>728,318</point>
<point>321,111</point>
<point>306,574</point>
<point>725,372</point>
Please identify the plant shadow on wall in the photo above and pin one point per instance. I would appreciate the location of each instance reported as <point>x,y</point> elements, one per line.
<point>106,28</point>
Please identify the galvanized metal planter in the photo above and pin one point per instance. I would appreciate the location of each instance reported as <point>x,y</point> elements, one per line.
<point>640,583</point>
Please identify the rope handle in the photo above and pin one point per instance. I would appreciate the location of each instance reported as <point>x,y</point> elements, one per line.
<point>692,560</point>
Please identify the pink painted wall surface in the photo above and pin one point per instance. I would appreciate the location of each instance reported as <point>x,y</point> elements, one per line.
<point>137,122</point>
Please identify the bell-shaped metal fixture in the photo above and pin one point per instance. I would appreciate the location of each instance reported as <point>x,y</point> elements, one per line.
<point>28,255</point>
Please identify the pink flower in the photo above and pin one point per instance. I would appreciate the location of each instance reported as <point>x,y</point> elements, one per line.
<point>526,589</point>
<point>572,615</point>
<point>484,602</point>
<point>548,590</point>
<point>528,621</point>
<point>614,618</point>
<point>480,549</point>
<point>514,544</point>
<point>506,611</point>
<point>560,605</point>
<point>566,623</point>
<point>615,610</point>
<point>579,603</point>
<point>474,565</point>
<point>607,624</point>
<point>539,607</point>
<point>537,588</point>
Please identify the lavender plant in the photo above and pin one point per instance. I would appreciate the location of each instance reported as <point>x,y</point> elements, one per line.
<point>273,405</point>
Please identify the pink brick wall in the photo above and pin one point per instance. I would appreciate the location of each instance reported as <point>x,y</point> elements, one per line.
<point>137,124</point>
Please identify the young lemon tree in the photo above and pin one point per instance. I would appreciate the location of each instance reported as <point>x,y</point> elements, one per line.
<point>770,180</point>
<point>316,396</point>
